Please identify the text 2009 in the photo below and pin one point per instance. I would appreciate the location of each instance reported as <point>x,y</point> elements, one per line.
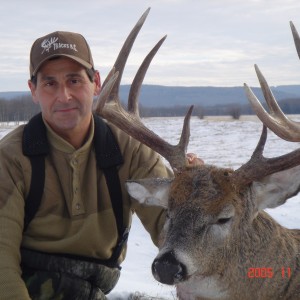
<point>267,272</point>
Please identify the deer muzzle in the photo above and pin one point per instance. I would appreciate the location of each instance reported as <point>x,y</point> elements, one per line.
<point>168,270</point>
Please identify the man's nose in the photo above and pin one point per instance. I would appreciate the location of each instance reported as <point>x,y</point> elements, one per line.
<point>64,94</point>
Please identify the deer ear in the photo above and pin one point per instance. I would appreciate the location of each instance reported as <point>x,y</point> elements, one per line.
<point>275,189</point>
<point>150,191</point>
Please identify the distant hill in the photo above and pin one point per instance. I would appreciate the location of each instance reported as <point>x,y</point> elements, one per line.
<point>166,96</point>
<point>290,89</point>
<point>159,96</point>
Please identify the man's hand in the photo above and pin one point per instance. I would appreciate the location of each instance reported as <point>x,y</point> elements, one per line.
<point>194,160</point>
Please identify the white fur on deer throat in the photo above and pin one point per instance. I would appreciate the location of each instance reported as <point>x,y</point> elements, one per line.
<point>204,287</point>
<point>197,285</point>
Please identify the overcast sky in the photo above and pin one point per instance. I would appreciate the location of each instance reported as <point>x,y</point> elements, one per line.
<point>209,43</point>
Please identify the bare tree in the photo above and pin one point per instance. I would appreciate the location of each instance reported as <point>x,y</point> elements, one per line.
<point>234,110</point>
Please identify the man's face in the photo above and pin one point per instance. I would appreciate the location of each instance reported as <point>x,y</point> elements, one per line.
<point>65,95</point>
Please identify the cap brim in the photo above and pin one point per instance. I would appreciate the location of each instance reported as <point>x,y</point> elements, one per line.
<point>77,59</point>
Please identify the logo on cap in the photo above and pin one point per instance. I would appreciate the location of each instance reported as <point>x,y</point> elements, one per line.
<point>53,43</point>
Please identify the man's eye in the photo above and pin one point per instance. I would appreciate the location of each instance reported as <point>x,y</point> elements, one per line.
<point>49,83</point>
<point>75,81</point>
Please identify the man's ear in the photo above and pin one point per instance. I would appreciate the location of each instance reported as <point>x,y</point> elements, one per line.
<point>32,88</point>
<point>97,83</point>
<point>150,191</point>
<point>275,189</point>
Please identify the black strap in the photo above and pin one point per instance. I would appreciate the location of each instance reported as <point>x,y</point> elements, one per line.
<point>35,194</point>
<point>35,146</point>
<point>108,157</point>
<point>114,187</point>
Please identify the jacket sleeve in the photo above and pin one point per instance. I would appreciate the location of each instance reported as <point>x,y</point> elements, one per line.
<point>146,164</point>
<point>11,228</point>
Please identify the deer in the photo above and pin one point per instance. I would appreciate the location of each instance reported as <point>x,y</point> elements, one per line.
<point>217,241</point>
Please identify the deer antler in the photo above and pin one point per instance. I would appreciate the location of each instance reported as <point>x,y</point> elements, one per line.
<point>108,105</point>
<point>296,37</point>
<point>259,166</point>
<point>275,120</point>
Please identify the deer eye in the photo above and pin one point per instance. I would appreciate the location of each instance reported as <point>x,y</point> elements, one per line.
<point>222,221</point>
<point>168,216</point>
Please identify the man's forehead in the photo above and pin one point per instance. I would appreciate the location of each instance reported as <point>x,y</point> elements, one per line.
<point>61,65</point>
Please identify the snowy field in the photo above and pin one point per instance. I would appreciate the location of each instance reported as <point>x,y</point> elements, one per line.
<point>220,141</point>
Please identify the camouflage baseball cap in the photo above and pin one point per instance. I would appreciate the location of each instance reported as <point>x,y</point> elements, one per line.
<point>60,43</point>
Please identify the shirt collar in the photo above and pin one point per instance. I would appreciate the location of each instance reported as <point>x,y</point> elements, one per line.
<point>61,144</point>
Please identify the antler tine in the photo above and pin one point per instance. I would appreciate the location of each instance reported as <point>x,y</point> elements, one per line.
<point>248,171</point>
<point>258,166</point>
<point>276,119</point>
<point>185,134</point>
<point>296,38</point>
<point>130,121</point>
<point>105,91</point>
<point>139,77</point>
<point>268,95</point>
<point>123,55</point>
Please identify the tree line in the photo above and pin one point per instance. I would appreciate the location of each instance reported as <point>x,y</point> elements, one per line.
<point>235,110</point>
<point>18,109</point>
<point>22,108</point>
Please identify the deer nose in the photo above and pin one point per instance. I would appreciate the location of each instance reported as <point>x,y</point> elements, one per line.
<point>167,269</point>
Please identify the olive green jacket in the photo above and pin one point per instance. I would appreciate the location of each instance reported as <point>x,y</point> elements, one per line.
<point>75,215</point>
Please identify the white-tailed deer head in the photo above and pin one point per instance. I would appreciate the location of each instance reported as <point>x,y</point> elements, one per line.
<point>217,242</point>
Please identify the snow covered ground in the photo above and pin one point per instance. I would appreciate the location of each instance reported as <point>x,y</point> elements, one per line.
<point>220,141</point>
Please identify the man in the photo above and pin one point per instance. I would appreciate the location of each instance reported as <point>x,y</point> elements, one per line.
<point>69,242</point>
<point>75,221</point>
